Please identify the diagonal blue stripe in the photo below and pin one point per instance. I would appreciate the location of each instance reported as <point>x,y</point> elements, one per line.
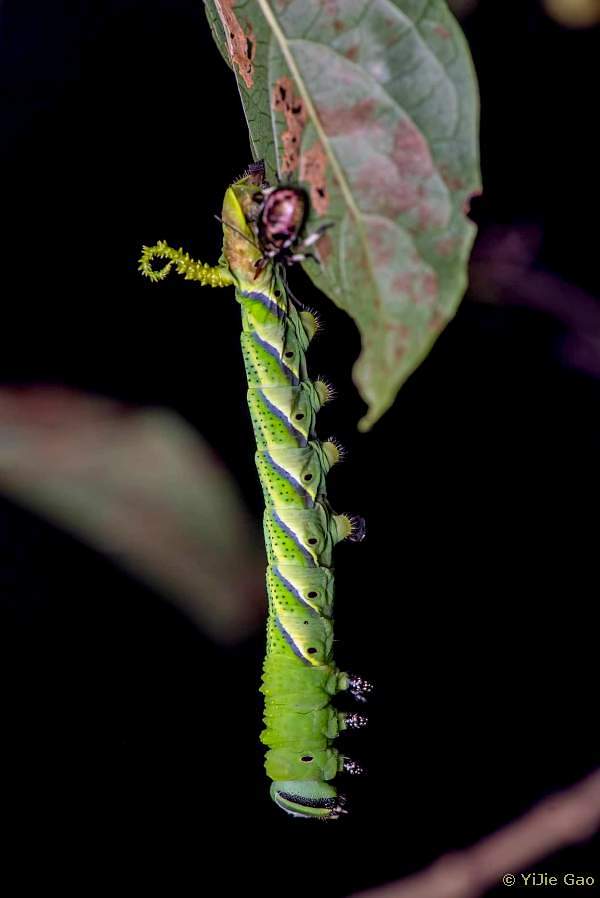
<point>291,588</point>
<point>265,301</point>
<point>302,440</point>
<point>302,492</point>
<point>291,642</point>
<point>291,533</point>
<point>293,380</point>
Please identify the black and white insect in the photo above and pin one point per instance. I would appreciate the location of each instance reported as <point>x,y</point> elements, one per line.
<point>281,216</point>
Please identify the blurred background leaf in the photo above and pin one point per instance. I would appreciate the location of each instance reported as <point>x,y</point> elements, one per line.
<point>143,487</point>
<point>576,13</point>
<point>462,7</point>
<point>573,13</point>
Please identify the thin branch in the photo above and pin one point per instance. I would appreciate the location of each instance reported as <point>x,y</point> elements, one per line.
<point>563,819</point>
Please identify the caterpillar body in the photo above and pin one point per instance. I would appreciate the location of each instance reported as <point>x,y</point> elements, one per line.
<point>262,233</point>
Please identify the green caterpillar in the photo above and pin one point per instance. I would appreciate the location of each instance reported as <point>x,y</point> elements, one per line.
<point>262,230</point>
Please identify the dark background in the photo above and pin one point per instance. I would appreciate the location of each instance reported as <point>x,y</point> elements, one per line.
<point>133,750</point>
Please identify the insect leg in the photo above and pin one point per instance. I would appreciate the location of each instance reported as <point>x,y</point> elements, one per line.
<point>353,767</point>
<point>302,257</point>
<point>359,687</point>
<point>316,235</point>
<point>355,721</point>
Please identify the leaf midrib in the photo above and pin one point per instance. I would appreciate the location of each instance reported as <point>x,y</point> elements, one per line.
<point>271,19</point>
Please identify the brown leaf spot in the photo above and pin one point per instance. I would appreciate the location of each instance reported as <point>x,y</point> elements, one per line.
<point>330,7</point>
<point>451,181</point>
<point>437,322</point>
<point>241,44</point>
<point>421,288</point>
<point>379,192</point>
<point>390,192</point>
<point>445,247</point>
<point>429,216</point>
<point>284,100</point>
<point>347,119</point>
<point>382,249</point>
<point>411,153</point>
<point>430,284</point>
<point>402,331</point>
<point>399,337</point>
<point>352,53</point>
<point>312,170</point>
<point>402,283</point>
<point>401,183</point>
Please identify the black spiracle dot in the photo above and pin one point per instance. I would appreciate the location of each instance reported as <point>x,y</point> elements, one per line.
<point>312,594</point>
<point>311,650</point>
<point>306,758</point>
<point>278,293</point>
<point>289,354</point>
<point>299,416</point>
<point>306,622</point>
<point>312,541</point>
<point>308,477</point>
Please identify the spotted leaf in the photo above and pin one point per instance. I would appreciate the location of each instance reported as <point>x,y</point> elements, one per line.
<point>372,105</point>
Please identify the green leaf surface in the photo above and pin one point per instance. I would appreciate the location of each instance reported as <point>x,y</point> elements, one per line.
<point>143,487</point>
<point>372,105</point>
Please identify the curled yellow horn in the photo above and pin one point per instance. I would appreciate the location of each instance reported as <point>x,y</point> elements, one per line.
<point>190,269</point>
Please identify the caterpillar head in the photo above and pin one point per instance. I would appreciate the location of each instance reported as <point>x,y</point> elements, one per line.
<point>240,210</point>
<point>309,799</point>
